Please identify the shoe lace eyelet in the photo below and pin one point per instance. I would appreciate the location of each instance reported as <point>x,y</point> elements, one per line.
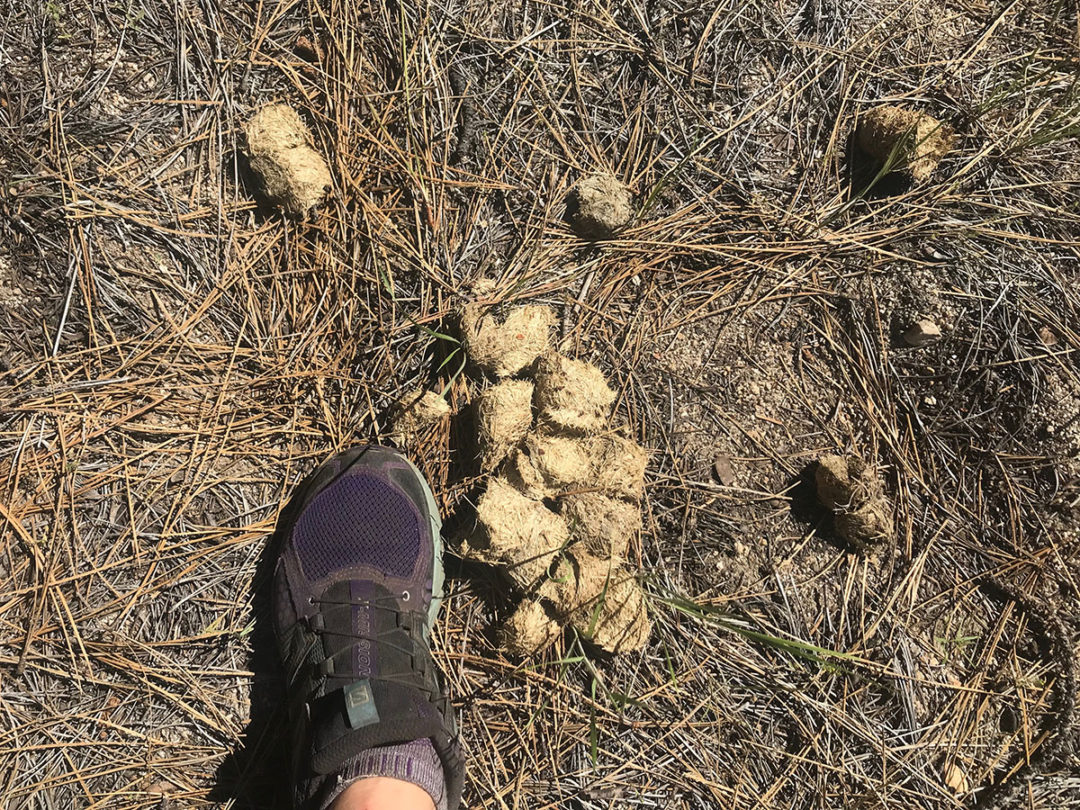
<point>405,597</point>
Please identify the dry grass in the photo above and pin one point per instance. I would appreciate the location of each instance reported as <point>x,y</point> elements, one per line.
<point>177,358</point>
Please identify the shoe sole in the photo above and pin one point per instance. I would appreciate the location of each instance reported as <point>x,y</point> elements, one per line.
<point>438,575</point>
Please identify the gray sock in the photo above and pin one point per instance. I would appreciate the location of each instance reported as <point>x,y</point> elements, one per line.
<point>415,762</point>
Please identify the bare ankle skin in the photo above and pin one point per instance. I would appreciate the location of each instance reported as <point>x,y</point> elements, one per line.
<point>383,793</point>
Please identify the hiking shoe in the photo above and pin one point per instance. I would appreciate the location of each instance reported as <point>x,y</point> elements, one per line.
<point>357,584</point>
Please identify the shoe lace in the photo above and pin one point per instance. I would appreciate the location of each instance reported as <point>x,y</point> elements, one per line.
<point>416,652</point>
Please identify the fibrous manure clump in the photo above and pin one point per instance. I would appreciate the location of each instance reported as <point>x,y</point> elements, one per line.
<point>599,206</point>
<point>504,346</point>
<point>852,491</point>
<point>290,172</point>
<point>902,140</point>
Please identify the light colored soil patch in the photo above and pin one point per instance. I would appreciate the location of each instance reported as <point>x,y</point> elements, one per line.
<point>1058,410</point>
<point>12,295</point>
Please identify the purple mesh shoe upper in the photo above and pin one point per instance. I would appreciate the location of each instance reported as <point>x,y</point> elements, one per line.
<point>359,520</point>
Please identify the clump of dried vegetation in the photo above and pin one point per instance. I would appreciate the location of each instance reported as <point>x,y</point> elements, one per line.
<point>176,355</point>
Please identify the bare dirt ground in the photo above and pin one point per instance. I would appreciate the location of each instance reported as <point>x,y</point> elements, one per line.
<point>175,357</point>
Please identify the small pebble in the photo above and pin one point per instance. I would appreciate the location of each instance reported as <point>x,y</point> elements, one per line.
<point>922,332</point>
<point>1047,336</point>
<point>956,779</point>
<point>723,470</point>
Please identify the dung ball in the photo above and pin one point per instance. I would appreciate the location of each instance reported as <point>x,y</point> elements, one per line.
<point>517,532</point>
<point>604,525</point>
<point>290,172</point>
<point>546,465</point>
<point>415,412</point>
<point>907,141</point>
<point>571,395</point>
<point>602,600</point>
<point>505,346</point>
<point>599,206</point>
<point>848,487</point>
<point>503,415</point>
<point>529,630</point>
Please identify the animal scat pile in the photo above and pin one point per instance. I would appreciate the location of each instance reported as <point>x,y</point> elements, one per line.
<point>290,172</point>
<point>851,489</point>
<point>544,438</point>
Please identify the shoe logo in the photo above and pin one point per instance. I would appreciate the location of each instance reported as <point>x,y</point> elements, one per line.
<point>360,704</point>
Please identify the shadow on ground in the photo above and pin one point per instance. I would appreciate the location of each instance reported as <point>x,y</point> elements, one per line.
<point>256,773</point>
<point>806,507</point>
<point>865,178</point>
